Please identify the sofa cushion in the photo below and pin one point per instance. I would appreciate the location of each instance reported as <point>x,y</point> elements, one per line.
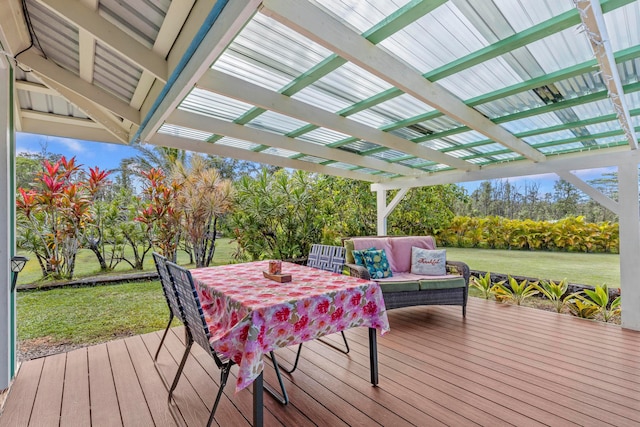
<point>442,282</point>
<point>376,263</point>
<point>401,282</point>
<point>428,262</point>
<point>378,243</point>
<point>401,249</point>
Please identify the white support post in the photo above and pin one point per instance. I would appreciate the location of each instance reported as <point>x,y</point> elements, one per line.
<point>385,210</point>
<point>7,300</point>
<point>629,245</point>
<point>382,206</point>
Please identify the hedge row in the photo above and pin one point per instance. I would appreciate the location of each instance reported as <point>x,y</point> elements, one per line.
<point>571,234</point>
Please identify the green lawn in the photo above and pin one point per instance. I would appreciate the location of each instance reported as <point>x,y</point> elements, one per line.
<point>586,269</point>
<point>102,313</point>
<point>87,263</point>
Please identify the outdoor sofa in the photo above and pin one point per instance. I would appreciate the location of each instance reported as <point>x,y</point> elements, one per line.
<point>403,288</point>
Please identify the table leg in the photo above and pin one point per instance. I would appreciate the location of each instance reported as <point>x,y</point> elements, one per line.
<point>258,419</point>
<point>373,355</point>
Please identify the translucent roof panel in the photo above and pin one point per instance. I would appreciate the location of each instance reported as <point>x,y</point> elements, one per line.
<point>511,104</point>
<point>438,38</point>
<point>523,14</point>
<point>402,107</point>
<point>360,146</point>
<point>467,137</point>
<point>211,104</point>
<point>323,136</point>
<point>561,50</point>
<point>269,45</point>
<point>491,75</point>
<point>531,123</point>
<point>279,152</point>
<point>593,109</point>
<point>237,143</point>
<point>372,118</point>
<point>622,25</point>
<point>547,137</point>
<point>437,144</point>
<point>276,122</point>
<point>390,155</point>
<point>184,132</point>
<point>242,67</point>
<point>321,98</point>
<point>351,83</point>
<point>361,14</point>
<point>312,159</point>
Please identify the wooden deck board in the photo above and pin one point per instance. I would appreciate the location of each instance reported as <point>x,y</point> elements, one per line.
<point>76,408</point>
<point>499,366</point>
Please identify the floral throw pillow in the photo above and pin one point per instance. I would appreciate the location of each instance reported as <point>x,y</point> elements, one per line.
<point>377,264</point>
<point>358,255</point>
<point>428,262</point>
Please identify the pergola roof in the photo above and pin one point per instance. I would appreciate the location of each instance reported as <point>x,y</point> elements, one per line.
<point>395,92</point>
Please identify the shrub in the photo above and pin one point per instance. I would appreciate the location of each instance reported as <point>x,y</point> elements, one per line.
<point>483,283</point>
<point>516,292</point>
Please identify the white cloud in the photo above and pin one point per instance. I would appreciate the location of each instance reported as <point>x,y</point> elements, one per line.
<point>72,145</point>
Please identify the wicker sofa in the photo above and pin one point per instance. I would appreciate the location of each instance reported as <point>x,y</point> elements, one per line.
<point>404,289</point>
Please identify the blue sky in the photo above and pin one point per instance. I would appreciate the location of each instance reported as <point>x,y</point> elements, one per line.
<point>108,156</point>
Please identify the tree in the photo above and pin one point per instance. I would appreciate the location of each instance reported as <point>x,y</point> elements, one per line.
<point>276,217</point>
<point>161,220</point>
<point>202,197</point>
<point>566,198</point>
<point>55,213</point>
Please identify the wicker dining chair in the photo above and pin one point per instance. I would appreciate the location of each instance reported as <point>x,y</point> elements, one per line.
<point>329,258</point>
<point>169,291</point>
<point>198,332</point>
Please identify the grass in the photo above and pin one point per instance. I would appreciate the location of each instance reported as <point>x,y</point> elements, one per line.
<point>97,314</point>
<point>87,263</point>
<point>586,269</point>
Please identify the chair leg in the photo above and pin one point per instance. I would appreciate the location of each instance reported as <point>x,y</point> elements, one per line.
<point>224,375</point>
<point>295,364</point>
<point>346,344</point>
<point>284,397</point>
<point>166,330</point>
<point>180,368</point>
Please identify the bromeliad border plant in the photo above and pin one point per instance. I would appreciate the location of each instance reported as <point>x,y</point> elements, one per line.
<point>484,285</point>
<point>516,292</point>
<point>555,292</point>
<point>600,298</point>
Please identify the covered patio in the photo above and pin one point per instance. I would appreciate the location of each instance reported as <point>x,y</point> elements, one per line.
<point>399,93</point>
<point>503,365</point>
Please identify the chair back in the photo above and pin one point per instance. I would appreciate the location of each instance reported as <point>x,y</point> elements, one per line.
<point>325,257</point>
<point>194,319</point>
<point>168,288</point>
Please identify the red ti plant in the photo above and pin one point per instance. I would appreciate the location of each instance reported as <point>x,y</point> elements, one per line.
<point>53,215</point>
<point>160,215</point>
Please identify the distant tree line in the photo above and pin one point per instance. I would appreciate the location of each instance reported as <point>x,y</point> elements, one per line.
<point>503,199</point>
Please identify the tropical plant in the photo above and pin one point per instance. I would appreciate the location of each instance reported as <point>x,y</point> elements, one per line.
<point>484,285</point>
<point>600,298</point>
<point>516,292</point>
<point>555,292</point>
<point>57,210</point>
<point>162,221</point>
<point>202,197</point>
<point>582,307</point>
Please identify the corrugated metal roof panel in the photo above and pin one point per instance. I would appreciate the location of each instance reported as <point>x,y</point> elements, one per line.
<point>276,122</point>
<point>323,136</point>
<point>211,104</point>
<point>141,19</point>
<point>183,132</point>
<point>114,73</point>
<point>58,38</point>
<point>237,143</point>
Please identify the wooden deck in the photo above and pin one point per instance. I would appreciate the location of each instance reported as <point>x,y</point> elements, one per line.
<point>504,365</point>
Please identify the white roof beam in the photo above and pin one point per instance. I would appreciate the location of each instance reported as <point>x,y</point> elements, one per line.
<point>171,26</point>
<point>590,191</point>
<point>65,127</point>
<point>76,85</point>
<point>312,22</point>
<point>566,162</point>
<point>107,33</point>
<point>91,109</point>
<point>221,127</point>
<point>166,140</point>
<point>596,32</point>
<point>233,87</point>
<point>87,47</point>
<point>222,31</point>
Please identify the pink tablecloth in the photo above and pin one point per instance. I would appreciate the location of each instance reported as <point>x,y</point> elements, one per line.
<point>249,315</point>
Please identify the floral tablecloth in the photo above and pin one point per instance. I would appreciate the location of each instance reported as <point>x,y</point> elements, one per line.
<point>249,315</point>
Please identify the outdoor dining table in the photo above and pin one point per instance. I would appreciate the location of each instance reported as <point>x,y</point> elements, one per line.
<point>249,315</point>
